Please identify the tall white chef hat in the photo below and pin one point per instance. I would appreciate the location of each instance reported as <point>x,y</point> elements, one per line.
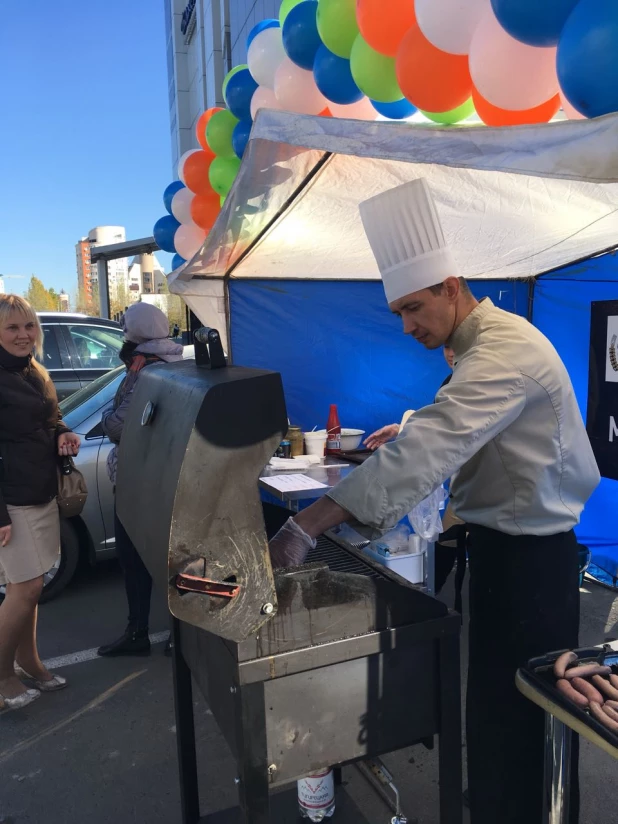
<point>406,237</point>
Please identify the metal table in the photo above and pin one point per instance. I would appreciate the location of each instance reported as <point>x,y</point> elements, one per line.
<point>559,728</point>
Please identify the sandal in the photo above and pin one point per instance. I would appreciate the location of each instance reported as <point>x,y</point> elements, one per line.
<point>55,683</point>
<point>20,701</point>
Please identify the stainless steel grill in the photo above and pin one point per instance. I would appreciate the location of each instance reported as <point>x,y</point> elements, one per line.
<point>304,668</point>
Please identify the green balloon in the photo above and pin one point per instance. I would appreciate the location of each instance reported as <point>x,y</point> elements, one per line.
<point>231,74</point>
<point>337,25</point>
<point>373,73</point>
<point>222,200</point>
<point>454,116</point>
<point>222,174</point>
<point>286,8</point>
<point>219,133</point>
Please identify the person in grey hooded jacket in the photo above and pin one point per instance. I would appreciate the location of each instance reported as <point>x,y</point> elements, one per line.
<point>146,345</point>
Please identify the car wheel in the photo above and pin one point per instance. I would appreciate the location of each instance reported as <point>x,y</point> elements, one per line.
<point>63,570</point>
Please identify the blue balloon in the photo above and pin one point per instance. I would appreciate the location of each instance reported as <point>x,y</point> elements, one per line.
<point>169,193</point>
<point>164,231</point>
<point>240,137</point>
<point>398,110</point>
<point>301,40</point>
<point>269,23</point>
<point>588,57</point>
<point>238,94</point>
<point>177,261</point>
<point>333,77</point>
<point>534,22</point>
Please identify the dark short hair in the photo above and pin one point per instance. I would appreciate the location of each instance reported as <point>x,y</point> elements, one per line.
<point>463,285</point>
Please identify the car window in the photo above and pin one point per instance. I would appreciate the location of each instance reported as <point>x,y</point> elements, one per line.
<point>51,352</point>
<point>97,347</point>
<point>86,401</point>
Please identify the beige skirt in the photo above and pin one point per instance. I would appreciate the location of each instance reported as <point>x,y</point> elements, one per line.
<point>35,543</point>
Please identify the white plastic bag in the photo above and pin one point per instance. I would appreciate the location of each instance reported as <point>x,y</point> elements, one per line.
<point>425,517</point>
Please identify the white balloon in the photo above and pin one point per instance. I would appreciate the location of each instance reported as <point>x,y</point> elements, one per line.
<point>188,240</point>
<point>265,54</point>
<point>450,24</point>
<point>181,205</point>
<point>363,110</point>
<point>296,91</point>
<point>569,109</point>
<point>263,98</point>
<point>182,161</point>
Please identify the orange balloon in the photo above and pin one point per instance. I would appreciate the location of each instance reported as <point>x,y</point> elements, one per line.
<point>384,25</point>
<point>493,116</point>
<point>196,172</point>
<point>325,112</point>
<point>200,128</point>
<point>205,209</point>
<point>433,80</point>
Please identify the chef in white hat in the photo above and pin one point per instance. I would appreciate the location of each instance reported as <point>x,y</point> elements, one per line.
<point>508,431</point>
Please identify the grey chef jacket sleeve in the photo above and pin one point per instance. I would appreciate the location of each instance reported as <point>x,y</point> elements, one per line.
<point>484,396</point>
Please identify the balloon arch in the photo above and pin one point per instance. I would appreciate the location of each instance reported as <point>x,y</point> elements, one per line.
<point>513,62</point>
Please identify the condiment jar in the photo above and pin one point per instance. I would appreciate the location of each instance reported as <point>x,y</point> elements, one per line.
<point>295,437</point>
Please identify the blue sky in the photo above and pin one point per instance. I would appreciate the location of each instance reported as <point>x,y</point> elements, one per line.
<point>85,136</point>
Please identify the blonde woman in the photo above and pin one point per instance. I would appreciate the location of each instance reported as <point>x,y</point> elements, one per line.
<point>32,436</point>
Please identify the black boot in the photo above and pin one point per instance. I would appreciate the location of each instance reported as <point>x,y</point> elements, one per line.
<point>132,642</point>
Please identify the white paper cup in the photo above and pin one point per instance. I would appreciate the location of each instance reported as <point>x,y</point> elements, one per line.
<point>315,443</point>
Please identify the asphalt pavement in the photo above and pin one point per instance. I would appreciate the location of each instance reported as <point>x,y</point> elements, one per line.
<point>104,750</point>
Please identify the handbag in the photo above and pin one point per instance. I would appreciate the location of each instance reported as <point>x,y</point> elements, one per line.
<point>72,489</point>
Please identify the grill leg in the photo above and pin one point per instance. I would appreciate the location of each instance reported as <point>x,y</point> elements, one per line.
<point>450,769</point>
<point>558,739</point>
<point>185,731</point>
<point>253,765</point>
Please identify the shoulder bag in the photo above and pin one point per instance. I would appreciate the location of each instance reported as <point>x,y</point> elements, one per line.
<point>72,489</point>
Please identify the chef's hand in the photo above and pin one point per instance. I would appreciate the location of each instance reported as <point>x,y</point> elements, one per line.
<point>290,546</point>
<point>382,436</point>
<point>68,444</point>
<point>5,535</point>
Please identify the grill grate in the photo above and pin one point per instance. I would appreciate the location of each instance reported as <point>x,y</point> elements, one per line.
<point>339,560</point>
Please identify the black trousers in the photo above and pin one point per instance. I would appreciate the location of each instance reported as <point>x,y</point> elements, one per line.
<point>137,580</point>
<point>524,602</point>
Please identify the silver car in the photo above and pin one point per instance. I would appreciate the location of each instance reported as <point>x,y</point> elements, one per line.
<point>90,536</point>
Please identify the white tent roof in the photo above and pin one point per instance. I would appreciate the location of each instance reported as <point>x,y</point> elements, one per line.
<point>514,202</point>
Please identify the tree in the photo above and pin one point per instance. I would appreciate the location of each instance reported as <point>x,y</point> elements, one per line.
<point>55,299</point>
<point>39,297</point>
<point>119,300</point>
<point>175,307</point>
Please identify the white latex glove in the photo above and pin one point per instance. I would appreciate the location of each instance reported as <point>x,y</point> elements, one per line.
<point>290,546</point>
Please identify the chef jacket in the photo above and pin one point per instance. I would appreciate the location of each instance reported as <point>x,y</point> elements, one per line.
<point>507,429</point>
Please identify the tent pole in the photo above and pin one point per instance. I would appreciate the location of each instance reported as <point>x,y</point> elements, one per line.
<point>531,285</point>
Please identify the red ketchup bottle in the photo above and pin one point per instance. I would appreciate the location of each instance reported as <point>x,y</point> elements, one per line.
<point>333,432</point>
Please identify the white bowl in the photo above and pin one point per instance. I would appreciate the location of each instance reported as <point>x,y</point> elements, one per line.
<point>350,438</point>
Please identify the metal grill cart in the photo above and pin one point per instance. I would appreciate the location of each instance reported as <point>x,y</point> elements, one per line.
<point>303,668</point>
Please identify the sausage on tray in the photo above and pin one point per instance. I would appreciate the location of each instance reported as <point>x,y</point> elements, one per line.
<point>614,680</point>
<point>605,687</point>
<point>591,693</point>
<point>602,717</point>
<point>566,688</point>
<point>613,714</point>
<point>563,662</point>
<point>586,671</point>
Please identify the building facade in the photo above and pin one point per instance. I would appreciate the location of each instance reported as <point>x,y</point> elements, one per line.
<point>118,270</point>
<point>146,277</point>
<point>204,40</point>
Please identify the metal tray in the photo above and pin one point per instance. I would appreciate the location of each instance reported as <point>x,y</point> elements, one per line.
<point>539,672</point>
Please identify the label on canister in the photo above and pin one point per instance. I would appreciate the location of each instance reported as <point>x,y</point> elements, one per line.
<point>317,791</point>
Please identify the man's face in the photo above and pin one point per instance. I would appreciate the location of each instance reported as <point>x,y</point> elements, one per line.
<point>429,317</point>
